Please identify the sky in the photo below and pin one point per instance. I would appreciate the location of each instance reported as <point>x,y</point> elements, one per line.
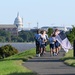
<point>45,12</point>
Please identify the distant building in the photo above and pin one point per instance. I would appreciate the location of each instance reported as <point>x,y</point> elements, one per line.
<point>18,22</point>
<point>45,28</point>
<point>13,28</point>
<point>61,28</point>
<point>55,27</point>
<point>10,28</point>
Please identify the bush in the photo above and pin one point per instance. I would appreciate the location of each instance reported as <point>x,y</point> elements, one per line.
<point>7,50</point>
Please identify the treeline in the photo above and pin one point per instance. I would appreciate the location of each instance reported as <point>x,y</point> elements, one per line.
<point>23,36</point>
<point>28,36</point>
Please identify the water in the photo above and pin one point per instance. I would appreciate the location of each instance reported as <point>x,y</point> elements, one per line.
<point>20,46</point>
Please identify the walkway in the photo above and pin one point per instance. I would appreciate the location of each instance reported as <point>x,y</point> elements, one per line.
<point>47,65</point>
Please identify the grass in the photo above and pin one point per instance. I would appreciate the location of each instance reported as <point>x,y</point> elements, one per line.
<point>13,65</point>
<point>69,59</point>
<point>47,48</point>
<point>24,55</point>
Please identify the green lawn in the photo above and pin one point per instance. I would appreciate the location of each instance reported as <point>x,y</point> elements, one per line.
<point>13,65</point>
<point>69,59</point>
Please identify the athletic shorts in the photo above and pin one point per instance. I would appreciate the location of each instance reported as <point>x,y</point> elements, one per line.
<point>42,45</point>
<point>57,44</point>
<point>52,46</point>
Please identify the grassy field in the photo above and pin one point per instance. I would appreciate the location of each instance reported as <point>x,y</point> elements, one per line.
<point>13,64</point>
<point>69,59</point>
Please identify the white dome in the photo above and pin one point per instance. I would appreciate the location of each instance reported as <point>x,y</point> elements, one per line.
<point>18,21</point>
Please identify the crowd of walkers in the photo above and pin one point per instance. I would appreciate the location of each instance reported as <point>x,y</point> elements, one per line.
<point>41,39</point>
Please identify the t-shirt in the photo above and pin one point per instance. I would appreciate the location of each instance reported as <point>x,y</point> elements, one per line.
<point>42,39</point>
<point>37,38</point>
<point>52,40</point>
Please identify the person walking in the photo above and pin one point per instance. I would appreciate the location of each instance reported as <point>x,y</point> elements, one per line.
<point>57,44</point>
<point>46,39</point>
<point>52,45</point>
<point>42,42</point>
<point>37,42</point>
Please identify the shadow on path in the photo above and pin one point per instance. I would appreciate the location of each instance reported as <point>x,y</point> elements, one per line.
<point>45,60</point>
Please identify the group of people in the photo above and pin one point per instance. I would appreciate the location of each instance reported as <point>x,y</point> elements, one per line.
<point>41,39</point>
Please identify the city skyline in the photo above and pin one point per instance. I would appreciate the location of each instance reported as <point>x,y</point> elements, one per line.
<point>41,12</point>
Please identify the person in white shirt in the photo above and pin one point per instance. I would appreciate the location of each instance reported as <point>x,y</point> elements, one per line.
<point>43,41</point>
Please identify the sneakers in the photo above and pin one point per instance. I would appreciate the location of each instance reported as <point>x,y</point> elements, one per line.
<point>37,55</point>
<point>55,54</point>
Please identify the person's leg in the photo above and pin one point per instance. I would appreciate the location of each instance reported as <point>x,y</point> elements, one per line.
<point>57,50</point>
<point>57,47</point>
<point>43,49</point>
<point>37,50</point>
<point>54,50</point>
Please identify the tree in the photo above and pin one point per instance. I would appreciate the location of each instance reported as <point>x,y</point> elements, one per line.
<point>50,31</point>
<point>5,36</point>
<point>27,36</point>
<point>71,35</point>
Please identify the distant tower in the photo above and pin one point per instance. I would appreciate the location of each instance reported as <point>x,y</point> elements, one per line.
<point>18,21</point>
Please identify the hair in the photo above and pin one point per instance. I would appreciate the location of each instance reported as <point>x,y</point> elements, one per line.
<point>56,30</point>
<point>53,34</point>
<point>38,31</point>
<point>42,31</point>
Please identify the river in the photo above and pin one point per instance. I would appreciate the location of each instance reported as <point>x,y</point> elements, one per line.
<point>20,46</point>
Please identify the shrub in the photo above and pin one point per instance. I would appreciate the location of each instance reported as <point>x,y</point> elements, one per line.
<point>7,50</point>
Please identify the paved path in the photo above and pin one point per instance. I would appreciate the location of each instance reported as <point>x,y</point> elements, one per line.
<point>47,65</point>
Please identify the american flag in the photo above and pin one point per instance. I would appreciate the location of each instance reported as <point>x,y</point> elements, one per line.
<point>63,40</point>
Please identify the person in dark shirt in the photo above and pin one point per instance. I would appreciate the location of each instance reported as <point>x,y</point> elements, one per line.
<point>37,42</point>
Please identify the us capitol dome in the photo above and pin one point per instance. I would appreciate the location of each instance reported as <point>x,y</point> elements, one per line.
<point>18,21</point>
